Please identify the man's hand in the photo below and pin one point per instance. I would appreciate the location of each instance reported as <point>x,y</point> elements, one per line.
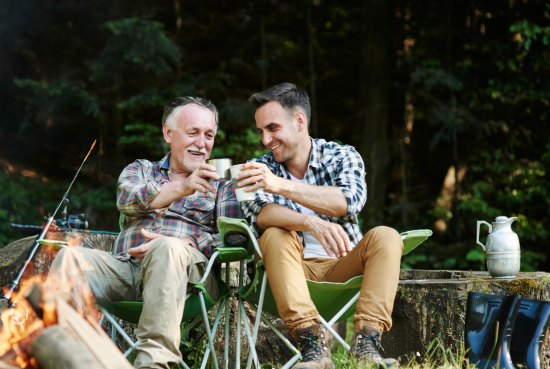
<point>140,251</point>
<point>178,188</point>
<point>198,180</point>
<point>332,236</point>
<point>259,176</point>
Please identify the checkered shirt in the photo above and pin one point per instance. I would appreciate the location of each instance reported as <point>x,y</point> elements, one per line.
<point>191,217</point>
<point>330,164</point>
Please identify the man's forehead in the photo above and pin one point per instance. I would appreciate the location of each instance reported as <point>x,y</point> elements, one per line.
<point>193,116</point>
<point>272,112</point>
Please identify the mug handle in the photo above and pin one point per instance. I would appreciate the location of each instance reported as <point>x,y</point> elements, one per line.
<point>479,223</point>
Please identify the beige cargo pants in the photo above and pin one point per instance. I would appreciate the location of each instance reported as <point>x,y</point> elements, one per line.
<point>161,281</point>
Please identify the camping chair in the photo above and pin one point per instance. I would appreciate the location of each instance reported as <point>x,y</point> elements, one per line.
<point>340,304</point>
<point>197,305</point>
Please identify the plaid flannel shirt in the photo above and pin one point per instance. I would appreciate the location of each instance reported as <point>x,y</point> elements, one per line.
<point>191,217</point>
<point>330,164</point>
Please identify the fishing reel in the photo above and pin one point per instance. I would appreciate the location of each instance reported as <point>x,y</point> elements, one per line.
<point>66,223</point>
<point>72,221</point>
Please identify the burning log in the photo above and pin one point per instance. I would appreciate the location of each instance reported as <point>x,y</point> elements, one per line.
<point>43,329</point>
<point>6,366</point>
<point>56,349</point>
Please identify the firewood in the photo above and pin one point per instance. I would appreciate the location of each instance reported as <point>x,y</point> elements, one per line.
<point>94,339</point>
<point>57,349</point>
<point>6,366</point>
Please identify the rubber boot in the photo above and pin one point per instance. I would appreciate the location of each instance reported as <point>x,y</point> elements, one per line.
<point>532,325</point>
<point>482,314</point>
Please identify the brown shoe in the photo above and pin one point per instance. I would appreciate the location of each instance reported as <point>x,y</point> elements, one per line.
<point>365,346</point>
<point>314,349</point>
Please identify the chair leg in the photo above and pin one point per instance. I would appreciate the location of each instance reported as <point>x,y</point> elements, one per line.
<point>296,357</point>
<point>214,329</point>
<point>336,335</point>
<point>257,322</point>
<point>226,336</point>
<point>487,347</point>
<point>208,333</point>
<point>116,327</point>
<point>239,301</point>
<point>251,341</point>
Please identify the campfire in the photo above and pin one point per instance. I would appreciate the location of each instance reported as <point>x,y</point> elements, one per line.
<point>53,324</point>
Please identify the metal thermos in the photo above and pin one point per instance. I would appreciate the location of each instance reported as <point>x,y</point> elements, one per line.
<point>502,250</point>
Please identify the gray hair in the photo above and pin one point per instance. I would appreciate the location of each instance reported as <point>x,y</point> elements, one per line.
<point>180,102</point>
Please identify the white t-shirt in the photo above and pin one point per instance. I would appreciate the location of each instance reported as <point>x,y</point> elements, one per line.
<point>312,247</point>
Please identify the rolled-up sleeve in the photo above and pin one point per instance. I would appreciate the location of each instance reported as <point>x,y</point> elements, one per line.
<point>135,193</point>
<point>251,209</point>
<point>350,179</point>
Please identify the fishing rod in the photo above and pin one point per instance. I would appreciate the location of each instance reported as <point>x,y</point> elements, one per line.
<point>40,238</point>
<point>31,229</point>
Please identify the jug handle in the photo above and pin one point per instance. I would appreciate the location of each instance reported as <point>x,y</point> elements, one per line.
<point>480,222</point>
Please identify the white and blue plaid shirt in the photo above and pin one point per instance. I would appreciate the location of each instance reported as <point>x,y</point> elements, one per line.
<point>330,164</point>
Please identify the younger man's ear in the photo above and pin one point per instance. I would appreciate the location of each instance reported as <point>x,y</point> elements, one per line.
<point>302,121</point>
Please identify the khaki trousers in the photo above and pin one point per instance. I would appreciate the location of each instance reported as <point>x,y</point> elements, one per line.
<point>161,281</point>
<point>377,256</point>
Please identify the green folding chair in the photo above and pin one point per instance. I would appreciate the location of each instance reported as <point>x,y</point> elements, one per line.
<point>197,305</point>
<point>334,301</point>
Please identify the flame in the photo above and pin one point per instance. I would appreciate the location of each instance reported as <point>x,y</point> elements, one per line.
<point>21,324</point>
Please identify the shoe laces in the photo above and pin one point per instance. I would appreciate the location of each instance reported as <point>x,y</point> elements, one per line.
<point>310,347</point>
<point>369,345</point>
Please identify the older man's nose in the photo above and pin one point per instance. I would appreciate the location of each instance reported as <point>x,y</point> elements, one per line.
<point>200,141</point>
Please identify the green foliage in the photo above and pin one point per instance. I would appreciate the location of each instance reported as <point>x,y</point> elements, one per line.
<point>530,32</point>
<point>46,98</point>
<point>146,136</point>
<point>27,200</point>
<point>193,345</point>
<point>141,43</point>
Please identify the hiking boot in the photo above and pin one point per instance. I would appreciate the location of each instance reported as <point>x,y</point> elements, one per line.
<point>314,349</point>
<point>365,346</point>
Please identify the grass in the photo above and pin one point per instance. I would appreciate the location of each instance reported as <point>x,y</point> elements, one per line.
<point>437,357</point>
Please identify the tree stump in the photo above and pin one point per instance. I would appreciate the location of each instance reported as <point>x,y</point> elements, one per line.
<point>432,304</point>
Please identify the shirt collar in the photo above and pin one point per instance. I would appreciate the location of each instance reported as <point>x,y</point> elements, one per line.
<point>316,154</point>
<point>164,163</point>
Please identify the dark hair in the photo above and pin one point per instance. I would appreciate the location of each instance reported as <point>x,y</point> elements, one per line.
<point>182,101</point>
<point>288,95</point>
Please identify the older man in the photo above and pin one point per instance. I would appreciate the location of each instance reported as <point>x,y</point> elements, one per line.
<point>309,193</point>
<point>170,209</point>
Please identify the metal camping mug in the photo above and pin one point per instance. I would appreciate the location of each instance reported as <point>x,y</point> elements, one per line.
<point>222,167</point>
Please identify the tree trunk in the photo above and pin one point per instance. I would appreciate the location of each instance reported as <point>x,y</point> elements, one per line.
<point>373,116</point>
<point>312,89</point>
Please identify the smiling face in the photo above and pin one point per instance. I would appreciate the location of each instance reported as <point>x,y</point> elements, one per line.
<point>281,131</point>
<point>192,140</point>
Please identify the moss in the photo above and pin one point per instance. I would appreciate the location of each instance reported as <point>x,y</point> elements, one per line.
<point>486,289</point>
<point>524,286</point>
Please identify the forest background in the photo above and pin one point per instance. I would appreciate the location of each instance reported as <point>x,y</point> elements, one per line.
<point>447,102</point>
